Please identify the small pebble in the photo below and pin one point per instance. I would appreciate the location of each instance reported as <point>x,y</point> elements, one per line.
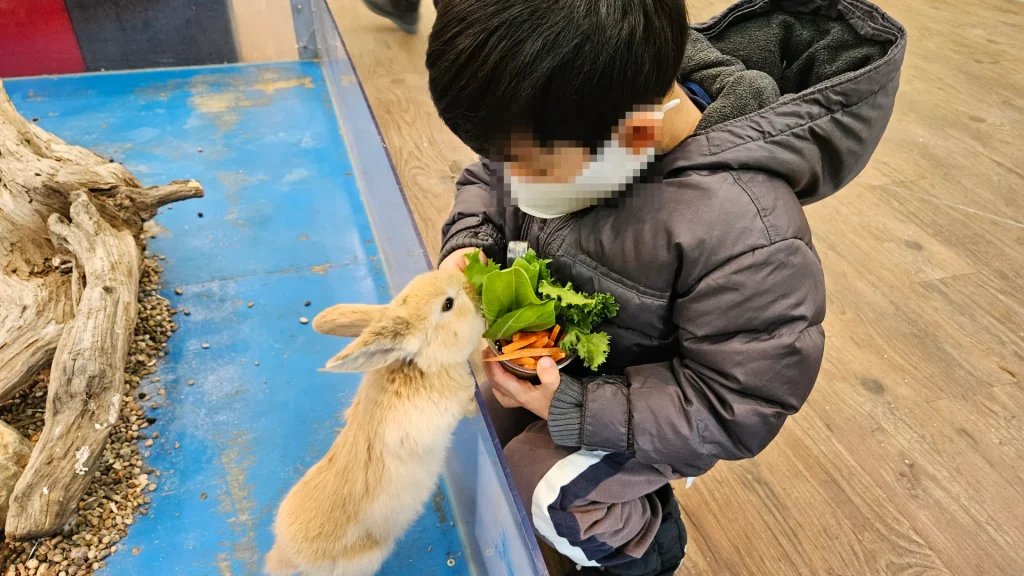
<point>256,362</point>
<point>187,312</point>
<point>155,379</point>
<point>200,214</point>
<point>303,320</point>
<point>202,496</point>
<point>162,392</point>
<point>178,291</point>
<point>149,443</point>
<point>306,303</point>
<point>191,382</point>
<point>156,435</point>
<point>251,304</point>
<point>205,345</point>
<point>162,257</point>
<point>135,551</point>
<point>199,149</point>
<point>177,445</point>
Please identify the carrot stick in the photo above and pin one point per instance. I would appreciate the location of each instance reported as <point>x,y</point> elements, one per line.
<point>525,353</point>
<point>524,362</point>
<point>554,335</point>
<point>541,341</point>
<point>518,336</point>
<point>517,344</point>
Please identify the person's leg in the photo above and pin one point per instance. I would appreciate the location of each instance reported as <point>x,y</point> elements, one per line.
<point>404,13</point>
<point>598,509</point>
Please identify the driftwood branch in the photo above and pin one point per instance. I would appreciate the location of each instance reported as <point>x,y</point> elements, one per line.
<point>86,379</point>
<point>68,297</point>
<point>29,328</point>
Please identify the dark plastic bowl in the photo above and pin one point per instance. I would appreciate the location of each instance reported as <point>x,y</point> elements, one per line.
<point>527,373</point>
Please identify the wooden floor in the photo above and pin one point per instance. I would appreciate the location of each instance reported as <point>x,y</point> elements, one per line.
<point>909,456</point>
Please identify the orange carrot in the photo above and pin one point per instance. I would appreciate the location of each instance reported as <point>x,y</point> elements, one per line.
<point>525,353</point>
<point>520,343</point>
<point>518,336</point>
<point>524,362</point>
<point>554,335</point>
<point>541,341</point>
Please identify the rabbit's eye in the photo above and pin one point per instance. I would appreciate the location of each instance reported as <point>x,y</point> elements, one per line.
<point>448,303</point>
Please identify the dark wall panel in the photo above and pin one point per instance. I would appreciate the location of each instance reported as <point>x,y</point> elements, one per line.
<point>128,34</point>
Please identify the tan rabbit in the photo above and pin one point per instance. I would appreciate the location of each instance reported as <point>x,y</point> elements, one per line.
<point>344,515</point>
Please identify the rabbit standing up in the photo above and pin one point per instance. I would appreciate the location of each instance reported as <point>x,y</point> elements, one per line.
<point>344,515</point>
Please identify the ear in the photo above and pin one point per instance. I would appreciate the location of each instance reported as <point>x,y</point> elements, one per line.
<point>347,320</point>
<point>640,132</point>
<point>384,342</point>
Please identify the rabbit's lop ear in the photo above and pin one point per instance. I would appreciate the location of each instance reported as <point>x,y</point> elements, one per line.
<point>347,320</point>
<point>383,342</point>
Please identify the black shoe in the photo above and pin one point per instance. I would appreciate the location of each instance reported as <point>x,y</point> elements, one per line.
<point>664,555</point>
<point>404,13</point>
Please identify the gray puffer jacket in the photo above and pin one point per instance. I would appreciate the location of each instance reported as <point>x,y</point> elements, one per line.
<point>718,336</point>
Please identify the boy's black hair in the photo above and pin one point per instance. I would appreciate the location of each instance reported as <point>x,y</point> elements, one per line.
<point>561,70</point>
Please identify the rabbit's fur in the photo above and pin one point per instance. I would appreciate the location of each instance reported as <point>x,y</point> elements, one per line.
<point>344,515</point>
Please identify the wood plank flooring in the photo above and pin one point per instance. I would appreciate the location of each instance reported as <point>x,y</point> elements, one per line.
<point>907,459</point>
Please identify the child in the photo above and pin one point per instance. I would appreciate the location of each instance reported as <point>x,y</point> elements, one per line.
<point>668,167</point>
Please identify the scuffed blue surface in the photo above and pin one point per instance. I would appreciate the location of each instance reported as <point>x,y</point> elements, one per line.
<point>282,223</point>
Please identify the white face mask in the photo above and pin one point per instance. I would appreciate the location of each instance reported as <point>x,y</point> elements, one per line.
<point>607,174</point>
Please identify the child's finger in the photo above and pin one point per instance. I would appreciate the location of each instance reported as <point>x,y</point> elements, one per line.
<point>547,372</point>
<point>504,399</point>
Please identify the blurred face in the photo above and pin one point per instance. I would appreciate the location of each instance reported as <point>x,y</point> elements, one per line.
<point>562,162</point>
<point>558,163</point>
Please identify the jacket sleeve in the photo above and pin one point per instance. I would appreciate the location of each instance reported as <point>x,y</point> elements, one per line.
<point>751,344</point>
<point>475,220</point>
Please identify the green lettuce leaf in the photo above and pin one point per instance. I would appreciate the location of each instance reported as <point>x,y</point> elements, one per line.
<point>506,291</point>
<point>476,271</point>
<point>565,295</point>
<point>532,271</point>
<point>541,263</point>
<point>525,319</point>
<point>592,349</point>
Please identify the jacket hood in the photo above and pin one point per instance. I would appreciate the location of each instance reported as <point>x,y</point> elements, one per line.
<point>801,88</point>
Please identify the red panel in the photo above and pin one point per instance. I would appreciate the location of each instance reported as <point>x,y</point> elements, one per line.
<point>36,37</point>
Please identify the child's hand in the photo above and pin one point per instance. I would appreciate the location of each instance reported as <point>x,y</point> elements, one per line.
<point>512,392</point>
<point>457,260</point>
